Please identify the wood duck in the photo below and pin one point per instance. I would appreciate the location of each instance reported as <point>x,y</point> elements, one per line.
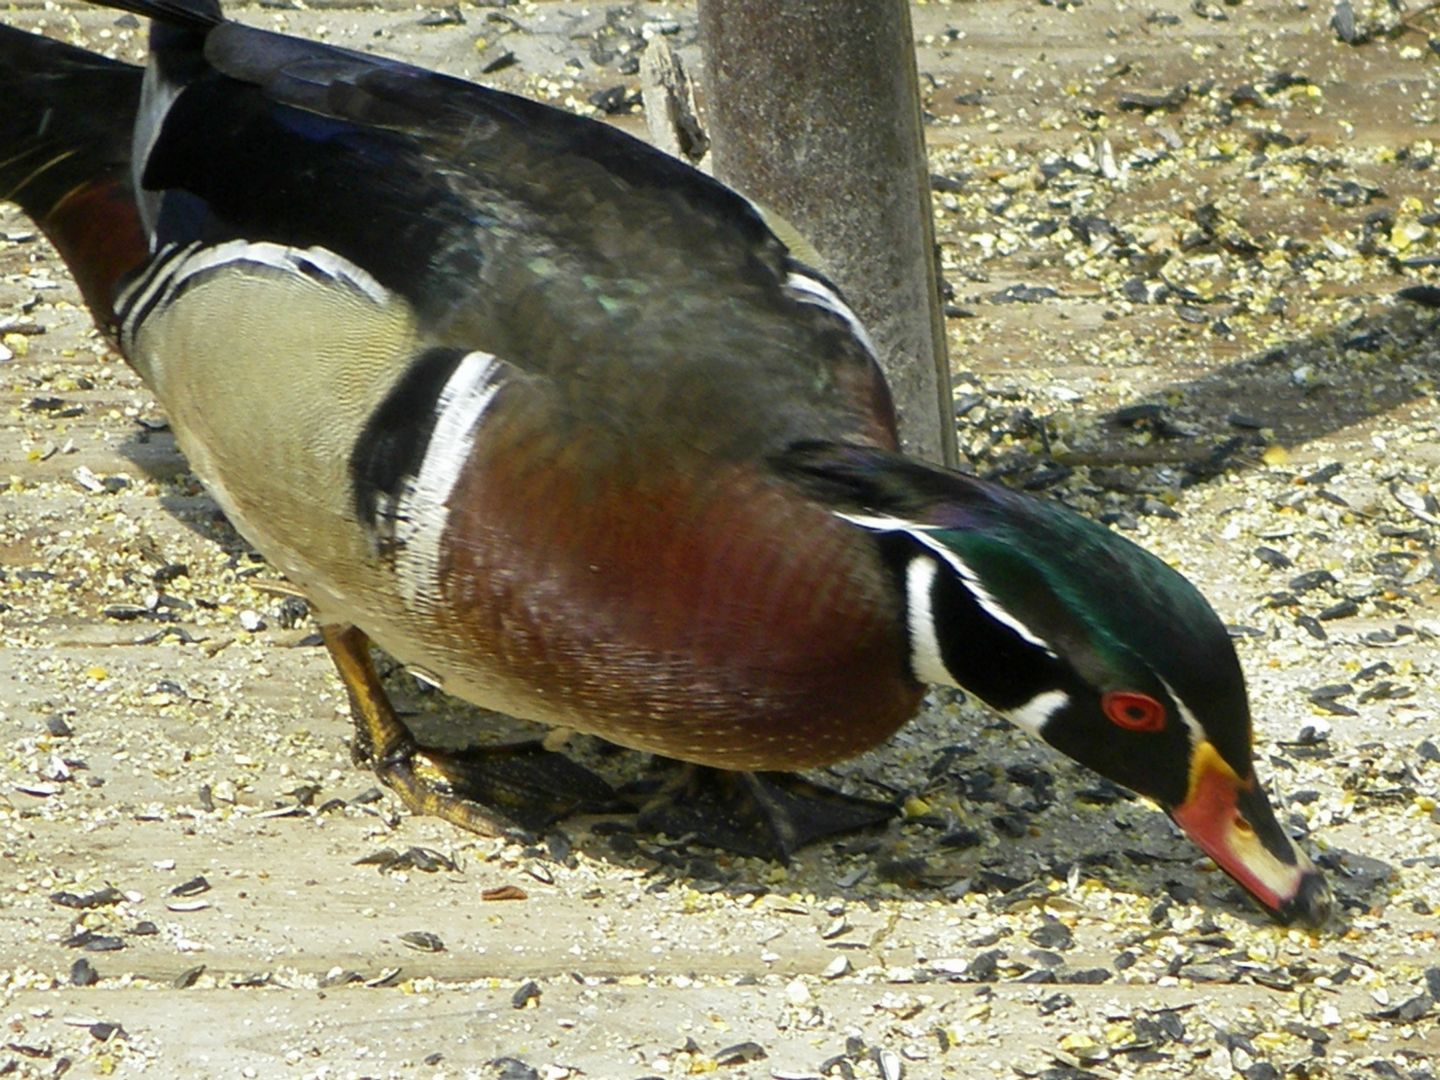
<point>568,427</point>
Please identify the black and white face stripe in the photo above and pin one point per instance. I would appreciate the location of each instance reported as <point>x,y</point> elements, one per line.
<point>1193,727</point>
<point>938,627</point>
<point>174,269</point>
<point>927,655</point>
<point>922,535</point>
<point>926,662</point>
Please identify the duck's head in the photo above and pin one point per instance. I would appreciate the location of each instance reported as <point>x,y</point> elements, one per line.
<point>1083,639</point>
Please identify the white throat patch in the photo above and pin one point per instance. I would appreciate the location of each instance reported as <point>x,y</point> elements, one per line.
<point>1032,716</point>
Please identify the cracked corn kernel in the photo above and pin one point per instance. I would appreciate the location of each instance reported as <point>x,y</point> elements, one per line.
<point>916,807</point>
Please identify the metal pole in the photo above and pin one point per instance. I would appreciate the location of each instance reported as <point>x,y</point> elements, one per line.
<point>814,112</point>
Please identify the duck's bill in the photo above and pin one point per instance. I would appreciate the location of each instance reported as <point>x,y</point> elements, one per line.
<point>1231,821</point>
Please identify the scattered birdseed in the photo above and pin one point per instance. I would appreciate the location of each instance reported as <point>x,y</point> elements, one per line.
<point>104,1031</point>
<point>891,1067</point>
<point>422,941</point>
<point>509,1068</point>
<point>504,892</point>
<point>186,905</point>
<point>188,977</point>
<point>740,1054</point>
<point>1205,213</point>
<point>83,973</point>
<point>194,887</point>
<point>93,942</point>
<point>99,898</point>
<point>424,859</point>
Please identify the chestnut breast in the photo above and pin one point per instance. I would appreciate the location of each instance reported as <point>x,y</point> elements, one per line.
<point>697,608</point>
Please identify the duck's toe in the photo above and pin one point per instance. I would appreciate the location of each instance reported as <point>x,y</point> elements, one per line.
<point>492,789</point>
<point>489,790</point>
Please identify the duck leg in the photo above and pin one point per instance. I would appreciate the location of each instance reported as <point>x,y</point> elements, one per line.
<point>487,790</point>
<point>767,814</point>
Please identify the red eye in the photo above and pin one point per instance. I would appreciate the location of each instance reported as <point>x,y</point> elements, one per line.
<point>1135,712</point>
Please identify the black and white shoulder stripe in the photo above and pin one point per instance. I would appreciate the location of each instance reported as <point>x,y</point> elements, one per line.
<point>412,452</point>
<point>806,285</point>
